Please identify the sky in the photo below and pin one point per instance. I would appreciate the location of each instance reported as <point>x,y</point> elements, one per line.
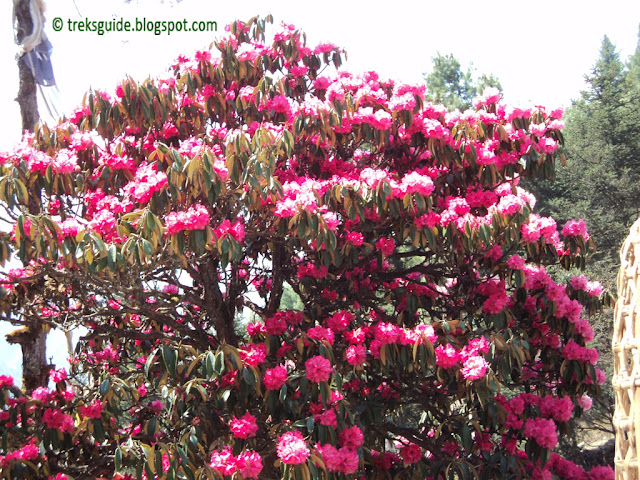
<point>540,51</point>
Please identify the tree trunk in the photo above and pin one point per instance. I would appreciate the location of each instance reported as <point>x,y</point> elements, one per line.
<point>27,98</point>
<point>33,338</point>
<point>33,342</point>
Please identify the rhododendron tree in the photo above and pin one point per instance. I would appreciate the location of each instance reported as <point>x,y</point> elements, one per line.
<point>432,341</point>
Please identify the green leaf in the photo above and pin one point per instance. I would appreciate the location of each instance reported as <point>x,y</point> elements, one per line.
<point>325,393</point>
<point>310,424</point>
<point>188,472</point>
<point>146,245</point>
<point>118,459</point>
<point>98,430</point>
<point>218,365</point>
<point>467,441</point>
<point>20,230</point>
<point>112,256</point>
<point>21,192</point>
<point>150,361</point>
<point>200,240</point>
<point>283,393</point>
<point>99,243</point>
<point>249,377</point>
<point>209,361</point>
<point>104,387</point>
<point>159,468</point>
<point>151,426</point>
<point>170,359</point>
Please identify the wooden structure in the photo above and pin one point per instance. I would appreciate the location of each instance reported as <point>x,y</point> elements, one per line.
<point>626,358</point>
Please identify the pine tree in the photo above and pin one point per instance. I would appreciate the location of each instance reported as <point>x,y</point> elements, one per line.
<point>601,181</point>
<point>450,85</point>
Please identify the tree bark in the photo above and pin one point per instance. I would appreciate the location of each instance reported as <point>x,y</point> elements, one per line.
<point>33,342</point>
<point>33,339</point>
<point>27,98</point>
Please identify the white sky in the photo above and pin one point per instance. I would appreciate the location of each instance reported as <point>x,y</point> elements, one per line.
<point>540,51</point>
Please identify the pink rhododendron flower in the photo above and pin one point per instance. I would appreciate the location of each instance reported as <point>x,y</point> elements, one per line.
<point>351,437</point>
<point>403,102</point>
<point>547,145</point>
<point>497,296</point>
<point>446,357</point>
<point>253,354</point>
<point>339,321</point>
<point>195,218</point>
<point>327,418</point>
<point>516,262</point>
<point>601,472</point>
<point>292,449</point>
<point>474,368</point>
<point>235,230</point>
<point>318,369</point>
<point>244,427</point>
<point>104,223</point>
<point>66,161</point>
<point>543,431</point>
<point>413,182</point>
<point>575,228</point>
<point>42,394</point>
<point>356,336</point>
<point>387,333</point>
<point>146,182</point>
<point>28,452</point>
<point>93,410</point>
<point>249,464</point>
<point>558,408</point>
<point>223,461</point>
<point>495,253</point>
<point>386,245</point>
<point>355,238</point>
<point>170,289</point>
<point>325,47</point>
<point>256,329</point>
<point>311,270</point>
<point>248,52</point>
<point>564,468</point>
<point>117,162</point>
<point>6,381</point>
<point>410,453</point>
<point>343,460</point>
<point>538,227</point>
<point>573,351</point>
<point>477,345</point>
<point>70,227</point>
<point>356,354</point>
<point>275,325</point>
<point>384,460</point>
<point>57,419</point>
<point>427,331</point>
<point>275,377</point>
<point>584,402</point>
<point>321,334</point>
<point>594,288</point>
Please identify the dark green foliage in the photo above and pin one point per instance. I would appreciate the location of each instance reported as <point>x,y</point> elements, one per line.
<point>601,184</point>
<point>454,88</point>
<point>601,181</point>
